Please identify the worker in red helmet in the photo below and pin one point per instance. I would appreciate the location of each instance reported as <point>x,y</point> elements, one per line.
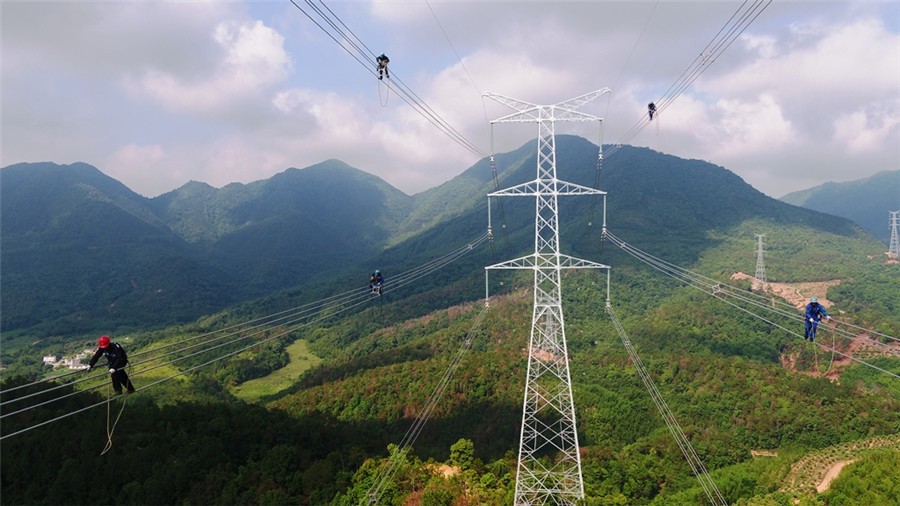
<point>116,360</point>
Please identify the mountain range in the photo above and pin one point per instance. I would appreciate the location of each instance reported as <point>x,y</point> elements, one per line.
<point>81,252</point>
<point>865,201</point>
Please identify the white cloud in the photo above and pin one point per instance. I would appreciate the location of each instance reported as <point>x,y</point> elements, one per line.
<point>750,127</point>
<point>109,38</point>
<point>765,46</point>
<point>869,130</point>
<point>164,92</point>
<point>253,59</point>
<point>142,166</point>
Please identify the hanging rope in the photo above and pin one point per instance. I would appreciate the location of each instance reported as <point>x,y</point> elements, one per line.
<point>597,174</point>
<point>833,342</point>
<point>110,430</point>
<point>387,95</point>
<point>496,178</point>
<point>816,355</point>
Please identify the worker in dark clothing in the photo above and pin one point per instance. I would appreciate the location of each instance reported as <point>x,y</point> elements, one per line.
<point>814,314</point>
<point>376,281</point>
<point>383,66</point>
<point>116,360</point>
<point>651,110</point>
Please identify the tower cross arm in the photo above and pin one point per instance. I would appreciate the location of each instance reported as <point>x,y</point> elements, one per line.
<point>526,262</point>
<point>512,103</point>
<point>567,115</point>
<point>545,261</point>
<point>563,111</point>
<point>565,188</point>
<point>567,262</point>
<point>525,189</point>
<point>575,103</point>
<point>533,188</point>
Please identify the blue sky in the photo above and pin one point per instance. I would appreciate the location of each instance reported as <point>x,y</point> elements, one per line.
<point>159,93</point>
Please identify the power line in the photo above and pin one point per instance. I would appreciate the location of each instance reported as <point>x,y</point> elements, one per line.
<point>700,471</point>
<point>293,325</point>
<point>339,31</point>
<point>409,439</point>
<point>719,290</point>
<point>450,43</point>
<point>742,18</point>
<point>630,54</point>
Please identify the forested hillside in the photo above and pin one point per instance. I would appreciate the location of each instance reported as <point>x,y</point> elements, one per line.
<point>756,401</point>
<point>83,254</point>
<point>866,201</point>
<point>80,250</point>
<point>323,440</point>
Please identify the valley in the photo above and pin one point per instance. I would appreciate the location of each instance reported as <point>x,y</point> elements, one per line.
<point>319,384</point>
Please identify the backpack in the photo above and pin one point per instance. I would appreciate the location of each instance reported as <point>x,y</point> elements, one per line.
<point>119,351</point>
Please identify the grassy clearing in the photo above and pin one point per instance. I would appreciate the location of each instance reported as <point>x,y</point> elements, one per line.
<point>301,360</point>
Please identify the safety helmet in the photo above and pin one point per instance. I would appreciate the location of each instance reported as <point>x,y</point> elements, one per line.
<point>814,299</point>
<point>377,271</point>
<point>103,342</point>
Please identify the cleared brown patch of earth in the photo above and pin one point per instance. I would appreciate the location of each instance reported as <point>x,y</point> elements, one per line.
<point>797,294</point>
<point>832,473</point>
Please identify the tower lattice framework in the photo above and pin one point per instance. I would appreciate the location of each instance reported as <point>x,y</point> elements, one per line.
<point>549,464</point>
<point>894,247</point>
<point>760,263</point>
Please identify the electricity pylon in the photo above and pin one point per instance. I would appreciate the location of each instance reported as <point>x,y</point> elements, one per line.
<point>894,248</point>
<point>760,264</point>
<point>549,466</point>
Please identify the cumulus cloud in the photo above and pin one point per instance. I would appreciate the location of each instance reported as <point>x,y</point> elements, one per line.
<point>749,127</point>
<point>252,59</point>
<point>143,166</point>
<point>160,93</point>
<point>109,38</point>
<point>870,129</point>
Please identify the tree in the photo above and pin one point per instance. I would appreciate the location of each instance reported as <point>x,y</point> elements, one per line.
<point>462,454</point>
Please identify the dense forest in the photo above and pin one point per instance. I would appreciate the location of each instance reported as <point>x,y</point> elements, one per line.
<point>327,439</point>
<point>768,413</point>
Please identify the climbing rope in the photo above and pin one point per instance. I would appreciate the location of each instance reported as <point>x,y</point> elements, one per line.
<point>831,363</point>
<point>110,430</point>
<point>816,355</point>
<point>384,101</point>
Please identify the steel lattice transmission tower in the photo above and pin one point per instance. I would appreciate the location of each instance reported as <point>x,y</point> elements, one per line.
<point>894,248</point>
<point>760,264</point>
<point>549,466</point>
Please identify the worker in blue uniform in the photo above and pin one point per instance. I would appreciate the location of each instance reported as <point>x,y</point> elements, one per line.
<point>814,314</point>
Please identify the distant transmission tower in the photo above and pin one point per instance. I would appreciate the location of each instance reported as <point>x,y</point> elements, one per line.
<point>894,248</point>
<point>760,264</point>
<point>549,467</point>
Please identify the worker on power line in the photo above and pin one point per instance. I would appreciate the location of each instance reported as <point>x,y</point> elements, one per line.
<point>383,66</point>
<point>651,110</point>
<point>116,360</point>
<point>814,314</point>
<point>376,281</point>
